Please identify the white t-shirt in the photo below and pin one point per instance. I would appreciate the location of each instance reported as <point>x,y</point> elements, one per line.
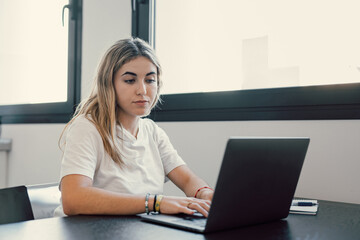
<point>148,158</point>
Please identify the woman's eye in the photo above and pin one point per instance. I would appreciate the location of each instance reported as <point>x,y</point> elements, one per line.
<point>150,80</point>
<point>130,81</point>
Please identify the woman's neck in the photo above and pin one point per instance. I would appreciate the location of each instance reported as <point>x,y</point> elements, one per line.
<point>131,125</point>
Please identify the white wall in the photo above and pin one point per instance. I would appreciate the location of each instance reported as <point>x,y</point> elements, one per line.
<point>35,156</point>
<point>331,167</point>
<point>332,164</point>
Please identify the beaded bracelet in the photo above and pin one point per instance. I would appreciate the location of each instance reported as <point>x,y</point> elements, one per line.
<point>147,203</point>
<point>201,189</point>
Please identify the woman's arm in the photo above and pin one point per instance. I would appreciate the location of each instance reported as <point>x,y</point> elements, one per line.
<point>190,183</point>
<point>80,197</point>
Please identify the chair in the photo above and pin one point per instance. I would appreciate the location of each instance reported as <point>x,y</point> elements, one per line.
<point>44,198</point>
<point>15,205</point>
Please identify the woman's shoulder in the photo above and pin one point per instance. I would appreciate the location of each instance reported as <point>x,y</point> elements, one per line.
<point>82,119</point>
<point>152,128</point>
<point>148,124</point>
<point>82,123</point>
<point>147,121</point>
<point>83,130</point>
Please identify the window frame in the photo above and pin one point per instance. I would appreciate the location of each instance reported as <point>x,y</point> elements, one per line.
<point>58,112</point>
<point>336,101</point>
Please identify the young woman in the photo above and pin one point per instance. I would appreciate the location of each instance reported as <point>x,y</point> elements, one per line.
<point>115,161</point>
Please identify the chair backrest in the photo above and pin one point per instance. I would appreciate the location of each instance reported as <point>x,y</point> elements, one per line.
<point>15,205</point>
<point>44,199</point>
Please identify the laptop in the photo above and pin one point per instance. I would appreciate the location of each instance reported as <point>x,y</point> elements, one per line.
<point>256,184</point>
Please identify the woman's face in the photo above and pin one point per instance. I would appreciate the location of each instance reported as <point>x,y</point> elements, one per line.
<point>136,87</point>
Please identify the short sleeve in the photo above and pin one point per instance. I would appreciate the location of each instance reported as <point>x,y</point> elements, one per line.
<point>83,148</point>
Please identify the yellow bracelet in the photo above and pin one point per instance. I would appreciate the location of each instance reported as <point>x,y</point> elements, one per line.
<point>157,204</point>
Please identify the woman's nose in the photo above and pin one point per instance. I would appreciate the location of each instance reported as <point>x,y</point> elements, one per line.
<point>141,90</point>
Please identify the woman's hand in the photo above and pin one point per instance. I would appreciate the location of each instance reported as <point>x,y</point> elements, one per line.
<point>187,205</point>
<point>206,194</point>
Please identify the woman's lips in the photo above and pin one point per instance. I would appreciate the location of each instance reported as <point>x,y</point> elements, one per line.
<point>141,102</point>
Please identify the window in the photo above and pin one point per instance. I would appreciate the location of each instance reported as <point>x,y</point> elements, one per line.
<point>39,60</point>
<point>255,60</point>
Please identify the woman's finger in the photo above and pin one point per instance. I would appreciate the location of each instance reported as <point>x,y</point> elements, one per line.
<point>203,203</point>
<point>196,206</point>
<point>187,210</point>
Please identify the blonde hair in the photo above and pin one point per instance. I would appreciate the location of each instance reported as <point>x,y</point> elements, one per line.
<point>101,105</point>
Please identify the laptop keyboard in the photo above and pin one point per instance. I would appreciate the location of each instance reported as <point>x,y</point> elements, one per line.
<point>200,222</point>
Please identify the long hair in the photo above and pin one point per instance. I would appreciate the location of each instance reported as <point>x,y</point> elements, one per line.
<point>100,107</point>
